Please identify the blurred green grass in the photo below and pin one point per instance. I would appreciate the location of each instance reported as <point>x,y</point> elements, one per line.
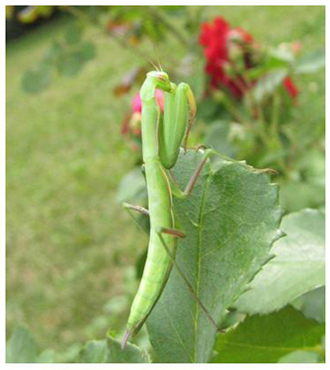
<point>67,238</point>
<point>69,244</point>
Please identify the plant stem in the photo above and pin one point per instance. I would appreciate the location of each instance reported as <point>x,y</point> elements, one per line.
<point>223,98</point>
<point>261,121</point>
<point>275,116</point>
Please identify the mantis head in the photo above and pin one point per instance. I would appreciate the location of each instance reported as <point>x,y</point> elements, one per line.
<point>161,79</point>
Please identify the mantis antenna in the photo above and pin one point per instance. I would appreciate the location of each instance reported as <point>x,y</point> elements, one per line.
<point>153,64</point>
<point>155,49</point>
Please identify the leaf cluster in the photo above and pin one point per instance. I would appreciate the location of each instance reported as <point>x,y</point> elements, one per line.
<point>66,58</point>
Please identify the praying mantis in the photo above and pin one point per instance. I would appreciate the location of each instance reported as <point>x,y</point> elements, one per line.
<point>162,136</point>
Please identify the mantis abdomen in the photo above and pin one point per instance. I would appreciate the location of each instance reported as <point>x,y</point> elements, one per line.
<point>158,265</point>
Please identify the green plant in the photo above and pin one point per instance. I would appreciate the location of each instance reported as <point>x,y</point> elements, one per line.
<point>303,339</point>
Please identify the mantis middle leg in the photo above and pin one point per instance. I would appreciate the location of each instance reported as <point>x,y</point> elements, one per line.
<point>192,182</point>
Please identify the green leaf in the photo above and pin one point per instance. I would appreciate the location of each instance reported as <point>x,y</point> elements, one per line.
<point>28,15</point>
<point>207,109</point>
<point>282,54</point>
<point>70,354</point>
<point>70,63</point>
<point>296,195</point>
<point>230,219</point>
<point>87,51</point>
<point>74,34</point>
<point>132,188</point>
<point>47,356</point>
<point>312,304</point>
<point>312,167</point>
<point>303,357</point>
<point>131,354</point>
<point>53,53</point>
<point>268,84</point>
<point>21,347</point>
<point>273,60</point>
<point>176,10</point>
<point>311,63</point>
<point>95,351</point>
<point>299,265</point>
<point>36,79</point>
<point>45,10</point>
<point>109,351</point>
<point>218,138</point>
<point>155,30</point>
<point>266,339</point>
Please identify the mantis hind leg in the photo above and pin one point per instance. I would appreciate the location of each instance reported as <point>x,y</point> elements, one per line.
<point>162,230</point>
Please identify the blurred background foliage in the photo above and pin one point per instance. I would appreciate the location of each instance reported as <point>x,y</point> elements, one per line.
<point>73,140</point>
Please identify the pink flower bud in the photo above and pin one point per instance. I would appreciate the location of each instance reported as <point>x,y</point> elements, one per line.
<point>137,104</point>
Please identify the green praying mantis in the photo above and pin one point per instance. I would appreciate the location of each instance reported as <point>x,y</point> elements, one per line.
<point>162,136</point>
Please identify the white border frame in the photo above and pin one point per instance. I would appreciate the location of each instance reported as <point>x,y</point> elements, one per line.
<point>3,196</point>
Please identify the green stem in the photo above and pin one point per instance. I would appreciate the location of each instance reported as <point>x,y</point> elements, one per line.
<point>275,116</point>
<point>262,127</point>
<point>246,87</point>
<point>237,115</point>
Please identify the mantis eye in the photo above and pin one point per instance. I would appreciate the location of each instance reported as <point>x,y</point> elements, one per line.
<point>161,76</point>
<point>161,79</point>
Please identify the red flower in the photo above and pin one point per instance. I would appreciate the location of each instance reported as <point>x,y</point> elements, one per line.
<point>226,51</point>
<point>291,87</point>
<point>216,39</point>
